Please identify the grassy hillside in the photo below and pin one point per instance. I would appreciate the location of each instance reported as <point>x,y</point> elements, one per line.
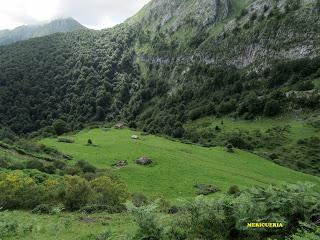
<point>291,142</point>
<point>298,128</point>
<point>178,167</point>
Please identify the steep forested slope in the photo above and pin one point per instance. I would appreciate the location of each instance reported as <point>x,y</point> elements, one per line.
<point>67,76</point>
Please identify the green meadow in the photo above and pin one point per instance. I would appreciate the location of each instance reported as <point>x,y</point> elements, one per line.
<point>177,166</point>
<point>299,128</point>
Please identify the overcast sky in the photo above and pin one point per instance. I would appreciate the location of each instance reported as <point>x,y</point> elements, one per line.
<point>96,14</point>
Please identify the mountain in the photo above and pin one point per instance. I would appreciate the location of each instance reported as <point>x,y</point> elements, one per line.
<point>26,32</point>
<point>173,62</point>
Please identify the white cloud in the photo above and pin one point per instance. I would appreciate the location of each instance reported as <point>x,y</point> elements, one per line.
<point>96,14</point>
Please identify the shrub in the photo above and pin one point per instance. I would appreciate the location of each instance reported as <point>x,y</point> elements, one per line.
<point>139,199</point>
<point>6,133</point>
<point>253,16</point>
<point>96,208</point>
<point>17,166</point>
<point>244,12</point>
<point>43,209</point>
<point>78,193</point>
<point>35,164</point>
<point>226,217</point>
<point>5,162</point>
<point>65,140</point>
<point>234,190</point>
<point>109,192</point>
<point>104,235</point>
<point>204,189</point>
<point>8,228</point>
<point>178,132</point>
<point>18,190</point>
<point>59,164</point>
<point>147,221</point>
<point>61,127</point>
<point>89,141</point>
<point>305,86</point>
<point>238,142</point>
<point>230,148</point>
<point>272,108</point>
<point>86,167</point>
<point>72,170</point>
<point>292,5</point>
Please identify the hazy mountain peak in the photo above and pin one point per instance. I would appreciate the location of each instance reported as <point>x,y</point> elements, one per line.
<point>43,29</point>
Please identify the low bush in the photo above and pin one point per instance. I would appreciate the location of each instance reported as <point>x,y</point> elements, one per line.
<point>86,166</point>
<point>204,189</point>
<point>139,199</point>
<point>226,217</point>
<point>147,221</point>
<point>43,193</point>
<point>65,140</point>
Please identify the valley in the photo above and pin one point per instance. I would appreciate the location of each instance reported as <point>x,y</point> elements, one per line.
<point>177,166</point>
<point>187,121</point>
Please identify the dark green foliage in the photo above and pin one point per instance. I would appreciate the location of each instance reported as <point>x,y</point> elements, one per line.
<point>8,228</point>
<point>60,127</point>
<point>235,140</point>
<point>317,6</point>
<point>204,189</point>
<point>7,134</point>
<point>253,16</point>
<point>147,221</point>
<point>272,108</point>
<point>72,77</point>
<point>89,142</point>
<point>283,71</point>
<point>305,86</point>
<point>86,166</point>
<point>65,140</point>
<point>226,217</point>
<point>230,148</point>
<point>35,164</point>
<point>42,209</point>
<point>292,5</point>
<point>139,200</point>
<point>234,190</point>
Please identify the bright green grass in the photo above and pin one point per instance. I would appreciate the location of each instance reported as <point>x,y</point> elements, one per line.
<point>178,166</point>
<point>69,226</point>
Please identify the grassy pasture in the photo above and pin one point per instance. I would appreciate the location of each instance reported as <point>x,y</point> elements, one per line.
<point>177,166</point>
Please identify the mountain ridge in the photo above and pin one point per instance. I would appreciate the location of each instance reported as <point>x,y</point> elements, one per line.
<point>26,32</point>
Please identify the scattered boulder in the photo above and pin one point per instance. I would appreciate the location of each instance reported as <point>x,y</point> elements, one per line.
<point>119,126</point>
<point>120,164</point>
<point>135,137</point>
<point>144,161</point>
<point>204,189</point>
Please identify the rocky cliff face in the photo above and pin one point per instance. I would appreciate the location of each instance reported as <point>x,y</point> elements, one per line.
<point>261,32</point>
<point>171,14</point>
